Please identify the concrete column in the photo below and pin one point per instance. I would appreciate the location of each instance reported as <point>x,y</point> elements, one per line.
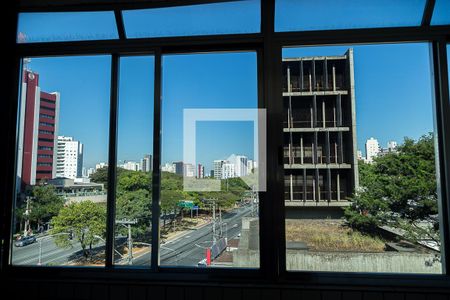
<point>316,140</point>
<point>327,146</point>
<point>289,79</point>
<point>314,188</point>
<point>301,149</point>
<point>289,118</point>
<point>335,152</point>
<point>314,111</point>
<point>334,116</point>
<point>338,187</point>
<point>301,75</point>
<point>334,78</point>
<point>325,73</point>
<point>339,109</point>
<point>323,114</point>
<point>340,148</point>
<point>317,185</point>
<point>312,115</point>
<point>310,83</point>
<point>304,184</point>
<point>289,153</point>
<point>313,62</point>
<point>291,188</point>
<point>329,184</point>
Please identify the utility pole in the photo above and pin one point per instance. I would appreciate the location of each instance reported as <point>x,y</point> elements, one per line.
<point>127,223</point>
<point>27,218</point>
<point>212,203</point>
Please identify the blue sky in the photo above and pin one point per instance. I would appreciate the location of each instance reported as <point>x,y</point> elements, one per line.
<point>392,89</point>
<point>393,98</point>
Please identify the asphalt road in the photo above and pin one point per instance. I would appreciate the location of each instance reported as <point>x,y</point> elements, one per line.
<point>185,250</point>
<point>190,248</point>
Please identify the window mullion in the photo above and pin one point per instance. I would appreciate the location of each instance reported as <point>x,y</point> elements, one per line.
<point>156,177</point>
<point>442,111</point>
<point>112,161</point>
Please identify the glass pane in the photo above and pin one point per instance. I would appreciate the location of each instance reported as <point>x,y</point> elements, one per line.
<point>135,164</point>
<point>60,215</point>
<point>293,15</point>
<point>66,26</point>
<point>441,13</point>
<point>360,179</point>
<point>209,201</point>
<point>200,19</point>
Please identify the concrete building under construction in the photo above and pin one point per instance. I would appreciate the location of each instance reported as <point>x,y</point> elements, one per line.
<point>320,162</point>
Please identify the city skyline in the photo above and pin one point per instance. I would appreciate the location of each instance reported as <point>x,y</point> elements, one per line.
<point>65,75</point>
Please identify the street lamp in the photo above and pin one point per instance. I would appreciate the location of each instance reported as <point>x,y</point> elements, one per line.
<point>40,244</point>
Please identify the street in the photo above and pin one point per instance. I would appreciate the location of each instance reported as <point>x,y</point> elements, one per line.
<point>186,249</point>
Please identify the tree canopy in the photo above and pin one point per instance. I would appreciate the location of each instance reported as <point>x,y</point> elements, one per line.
<point>399,190</point>
<point>86,220</point>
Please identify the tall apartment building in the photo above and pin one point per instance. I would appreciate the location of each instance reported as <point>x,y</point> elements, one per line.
<point>217,165</point>
<point>69,162</point>
<point>179,167</point>
<point>200,171</point>
<point>147,163</point>
<point>320,154</point>
<point>38,115</point>
<point>372,149</point>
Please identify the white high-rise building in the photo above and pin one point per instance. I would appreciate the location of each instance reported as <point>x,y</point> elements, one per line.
<point>189,170</point>
<point>218,168</point>
<point>100,166</point>
<point>240,165</point>
<point>392,146</point>
<point>69,158</point>
<point>228,170</point>
<point>168,168</point>
<point>147,163</point>
<point>249,166</point>
<point>132,166</point>
<point>372,149</point>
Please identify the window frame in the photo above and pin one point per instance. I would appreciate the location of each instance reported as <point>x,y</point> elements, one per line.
<point>268,45</point>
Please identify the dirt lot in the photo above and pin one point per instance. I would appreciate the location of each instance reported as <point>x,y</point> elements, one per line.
<point>331,235</point>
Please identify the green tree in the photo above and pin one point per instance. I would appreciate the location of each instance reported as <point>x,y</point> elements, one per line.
<point>133,181</point>
<point>85,220</point>
<point>399,190</point>
<point>135,205</point>
<point>44,204</point>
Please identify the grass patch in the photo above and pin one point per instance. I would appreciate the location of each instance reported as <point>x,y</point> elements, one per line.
<point>331,235</point>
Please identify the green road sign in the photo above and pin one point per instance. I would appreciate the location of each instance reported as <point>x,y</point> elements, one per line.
<point>186,204</point>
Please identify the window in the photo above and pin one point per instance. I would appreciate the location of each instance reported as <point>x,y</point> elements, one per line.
<point>200,19</point>
<point>359,160</point>
<point>60,215</point>
<point>440,14</point>
<point>175,110</point>
<point>133,218</point>
<point>66,26</point>
<point>292,15</point>
<point>208,202</point>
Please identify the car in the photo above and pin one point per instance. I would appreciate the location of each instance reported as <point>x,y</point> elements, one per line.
<point>25,240</point>
<point>202,263</point>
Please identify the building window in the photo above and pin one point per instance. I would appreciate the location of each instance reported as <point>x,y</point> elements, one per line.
<point>207,169</point>
<point>69,224</point>
<point>359,160</point>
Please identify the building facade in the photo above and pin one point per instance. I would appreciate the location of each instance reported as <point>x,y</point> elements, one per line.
<point>200,171</point>
<point>69,162</point>
<point>38,132</point>
<point>372,149</point>
<point>320,159</point>
<point>147,163</point>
